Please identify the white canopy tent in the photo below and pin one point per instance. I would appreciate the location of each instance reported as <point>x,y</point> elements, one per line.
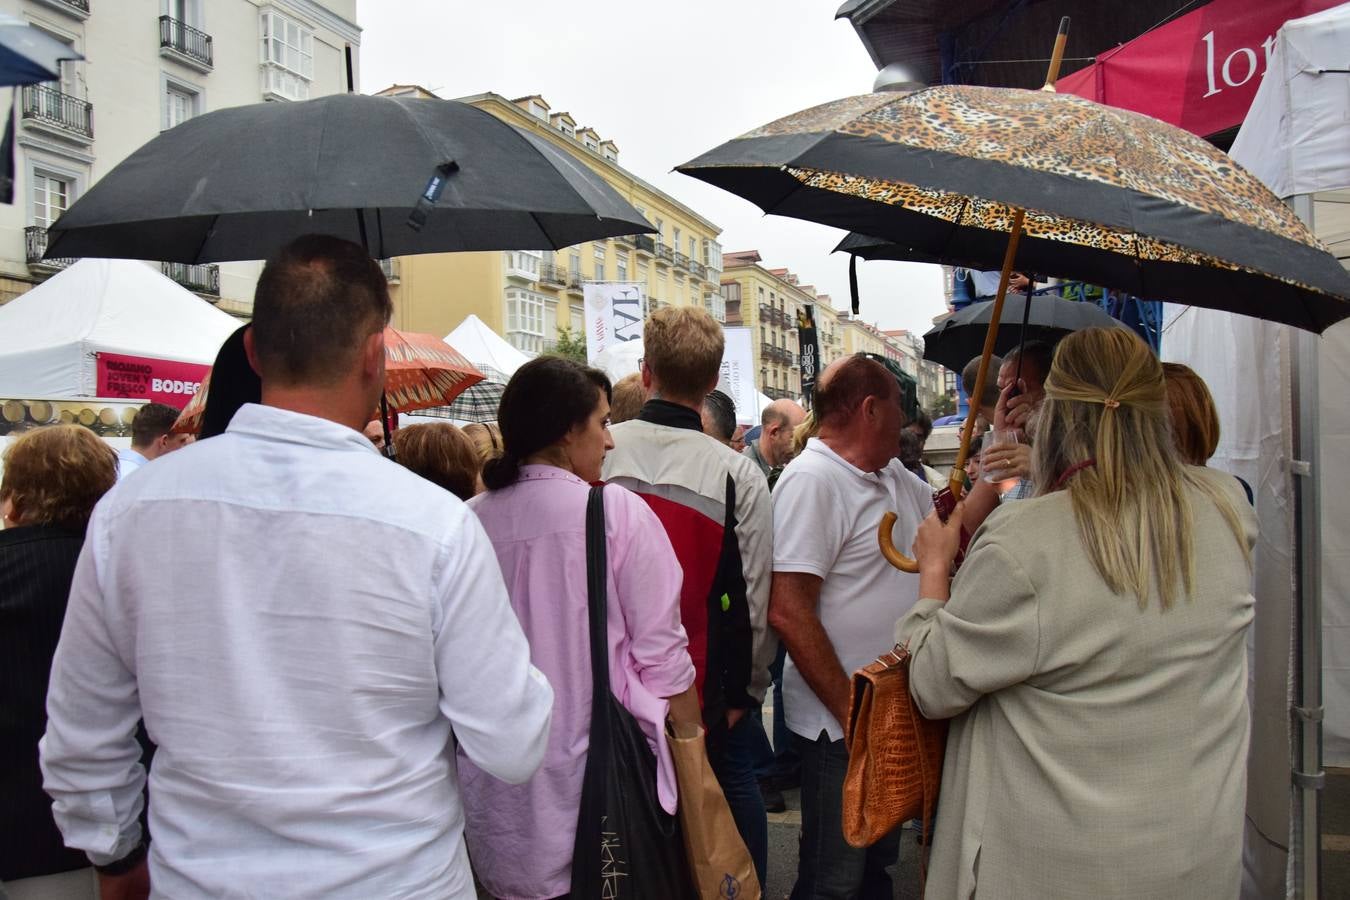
<point>1281,398</point>
<point>483,347</point>
<point>50,335</point>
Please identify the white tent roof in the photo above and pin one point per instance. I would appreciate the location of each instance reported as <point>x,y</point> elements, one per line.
<point>48,336</point>
<point>484,348</point>
<point>1296,138</point>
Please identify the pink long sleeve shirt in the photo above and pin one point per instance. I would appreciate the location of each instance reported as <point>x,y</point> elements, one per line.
<point>521,837</point>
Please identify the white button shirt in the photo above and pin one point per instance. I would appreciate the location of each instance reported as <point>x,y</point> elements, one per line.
<point>301,623</point>
<point>825,516</point>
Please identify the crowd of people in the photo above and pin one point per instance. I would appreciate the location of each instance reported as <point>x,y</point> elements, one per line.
<point>274,663</point>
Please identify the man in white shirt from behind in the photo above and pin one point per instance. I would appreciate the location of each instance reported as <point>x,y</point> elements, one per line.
<point>151,437</point>
<point>832,596</point>
<point>325,625</point>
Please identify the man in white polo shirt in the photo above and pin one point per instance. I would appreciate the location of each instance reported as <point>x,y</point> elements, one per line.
<point>835,600</point>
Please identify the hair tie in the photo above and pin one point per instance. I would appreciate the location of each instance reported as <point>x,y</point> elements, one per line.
<point>1111,403</point>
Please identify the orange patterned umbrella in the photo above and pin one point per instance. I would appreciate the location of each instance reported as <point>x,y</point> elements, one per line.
<point>421,371</point>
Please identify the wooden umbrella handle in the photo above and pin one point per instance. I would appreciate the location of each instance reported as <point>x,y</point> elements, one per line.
<point>1057,56</point>
<point>884,538</point>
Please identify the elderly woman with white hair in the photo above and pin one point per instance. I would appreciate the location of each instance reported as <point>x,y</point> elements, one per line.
<point>1091,656</point>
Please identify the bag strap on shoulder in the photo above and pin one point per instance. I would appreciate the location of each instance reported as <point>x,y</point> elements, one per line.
<point>597,595</point>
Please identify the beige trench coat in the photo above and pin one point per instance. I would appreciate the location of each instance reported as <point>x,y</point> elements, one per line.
<point>1097,750</point>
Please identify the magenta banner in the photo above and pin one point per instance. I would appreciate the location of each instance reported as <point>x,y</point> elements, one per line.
<point>145,378</point>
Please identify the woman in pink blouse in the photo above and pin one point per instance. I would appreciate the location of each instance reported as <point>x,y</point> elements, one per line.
<point>554,422</point>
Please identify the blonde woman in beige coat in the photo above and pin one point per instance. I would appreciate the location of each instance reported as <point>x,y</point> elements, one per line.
<point>1090,654</point>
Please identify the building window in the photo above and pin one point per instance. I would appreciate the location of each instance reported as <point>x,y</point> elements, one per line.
<point>621,266</point>
<point>52,195</point>
<point>181,102</point>
<point>675,242</point>
<point>599,270</point>
<point>574,260</point>
<point>525,320</point>
<point>287,56</point>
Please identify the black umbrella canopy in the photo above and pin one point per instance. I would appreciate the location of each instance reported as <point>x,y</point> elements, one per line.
<point>1111,197</point>
<point>241,182</point>
<point>29,55</point>
<point>959,338</point>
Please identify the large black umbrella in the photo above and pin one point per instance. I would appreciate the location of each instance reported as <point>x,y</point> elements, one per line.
<point>398,175</point>
<point>959,338</point>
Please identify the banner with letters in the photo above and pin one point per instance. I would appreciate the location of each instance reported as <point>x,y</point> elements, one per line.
<point>614,312</point>
<point>146,378</point>
<point>737,378</point>
<point>808,356</point>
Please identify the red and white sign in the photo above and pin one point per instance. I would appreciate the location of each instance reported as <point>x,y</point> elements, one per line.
<point>145,378</point>
<point>1198,72</point>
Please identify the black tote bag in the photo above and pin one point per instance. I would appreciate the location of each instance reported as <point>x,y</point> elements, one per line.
<point>627,846</point>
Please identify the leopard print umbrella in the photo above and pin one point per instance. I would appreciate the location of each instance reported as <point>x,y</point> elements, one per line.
<point>1111,197</point>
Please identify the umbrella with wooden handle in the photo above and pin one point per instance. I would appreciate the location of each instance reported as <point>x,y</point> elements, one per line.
<point>946,500</point>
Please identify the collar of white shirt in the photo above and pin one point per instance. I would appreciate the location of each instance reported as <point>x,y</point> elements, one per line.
<point>816,445</point>
<point>272,423</point>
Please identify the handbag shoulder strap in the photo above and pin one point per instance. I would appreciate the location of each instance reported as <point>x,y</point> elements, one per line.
<point>597,595</point>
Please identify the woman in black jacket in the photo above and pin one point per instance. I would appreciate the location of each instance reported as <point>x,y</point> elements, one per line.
<point>52,478</point>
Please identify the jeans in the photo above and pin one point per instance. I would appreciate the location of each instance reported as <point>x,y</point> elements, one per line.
<point>733,763</point>
<point>780,762</point>
<point>828,868</point>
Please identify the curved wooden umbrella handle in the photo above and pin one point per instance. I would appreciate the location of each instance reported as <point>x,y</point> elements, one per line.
<point>887,542</point>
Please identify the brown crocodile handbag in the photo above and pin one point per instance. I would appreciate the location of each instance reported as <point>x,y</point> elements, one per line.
<point>894,753</point>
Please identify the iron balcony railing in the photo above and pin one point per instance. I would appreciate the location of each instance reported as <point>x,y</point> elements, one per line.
<point>574,281</point>
<point>645,243</point>
<point>42,103</point>
<point>624,239</point>
<point>665,253</point>
<point>697,269</point>
<point>79,7</point>
<point>551,273</point>
<point>181,37</point>
<point>203,279</point>
<point>681,260</point>
<point>35,244</point>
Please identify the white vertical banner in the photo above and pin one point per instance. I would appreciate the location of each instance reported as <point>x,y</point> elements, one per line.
<point>737,378</point>
<point>613,314</point>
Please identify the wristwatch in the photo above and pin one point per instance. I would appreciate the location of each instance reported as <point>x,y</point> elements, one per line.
<point>128,862</point>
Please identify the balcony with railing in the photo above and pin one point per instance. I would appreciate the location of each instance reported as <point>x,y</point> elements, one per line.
<point>181,42</point>
<point>665,254</point>
<point>201,279</point>
<point>35,244</point>
<point>574,282</point>
<point>697,269</point>
<point>681,260</point>
<point>553,274</point>
<point>626,240</point>
<point>79,9</point>
<point>644,243</point>
<point>48,109</point>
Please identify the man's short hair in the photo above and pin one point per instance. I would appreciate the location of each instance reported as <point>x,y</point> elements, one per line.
<point>682,345</point>
<point>972,371</point>
<point>1037,354</point>
<point>722,413</point>
<point>922,423</point>
<point>152,421</point>
<point>628,399</point>
<point>317,301</point>
<point>851,381</point>
<point>772,416</point>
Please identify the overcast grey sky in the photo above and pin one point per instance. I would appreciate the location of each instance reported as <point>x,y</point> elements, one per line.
<point>665,81</point>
